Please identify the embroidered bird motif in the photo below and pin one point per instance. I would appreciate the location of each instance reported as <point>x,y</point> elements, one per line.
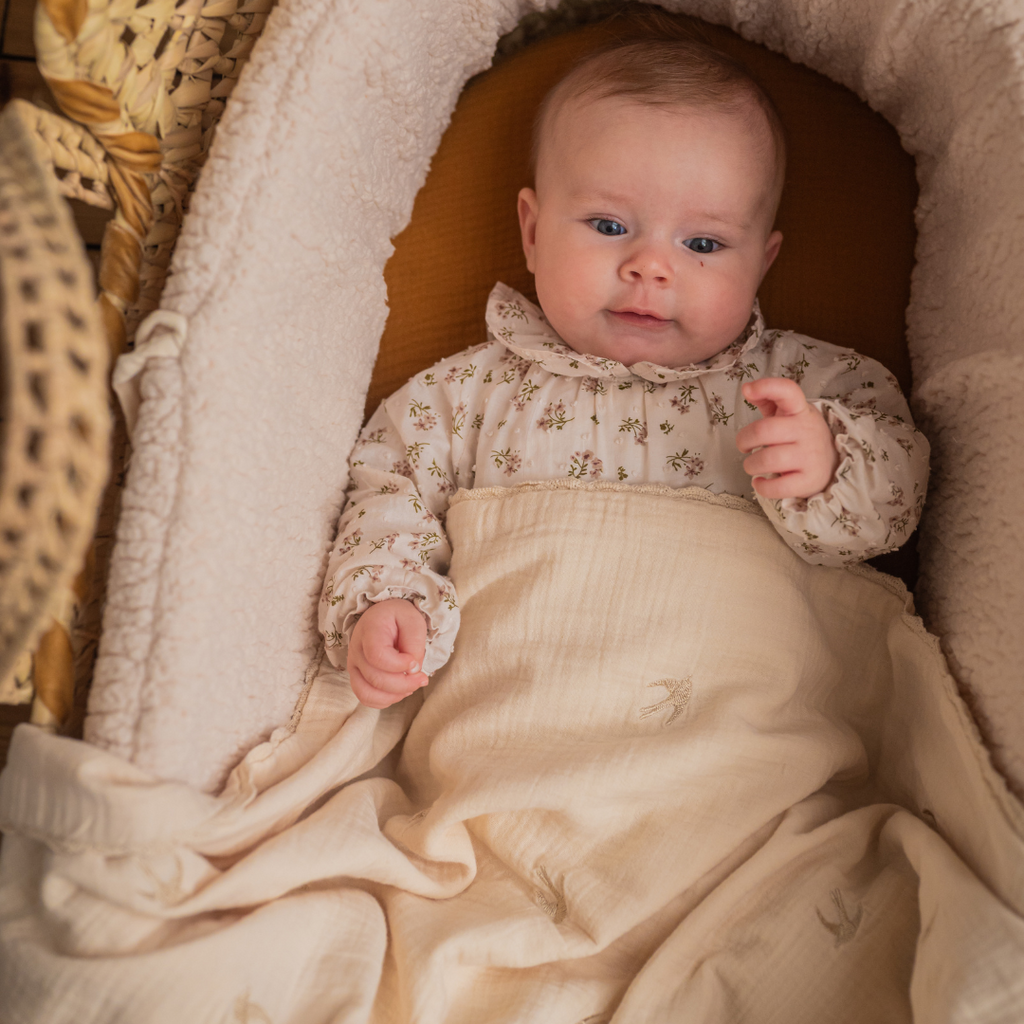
<point>247,1012</point>
<point>846,927</point>
<point>167,891</point>
<point>555,909</point>
<point>679,691</point>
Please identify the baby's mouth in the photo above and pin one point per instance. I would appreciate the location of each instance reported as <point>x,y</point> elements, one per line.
<point>639,318</point>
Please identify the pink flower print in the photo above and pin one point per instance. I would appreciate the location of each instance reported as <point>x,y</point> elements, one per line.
<point>847,522</point>
<point>631,425</point>
<point>410,566</point>
<point>717,409</point>
<point>426,420</point>
<point>907,446</point>
<point>507,460</point>
<point>897,495</point>
<point>516,364</point>
<point>796,369</point>
<point>684,399</point>
<point>741,371</point>
<point>868,407</point>
<point>425,543</point>
<point>458,419</point>
<point>511,311</point>
<point>414,451</point>
<point>402,468</point>
<point>554,417</point>
<point>388,488</point>
<point>899,523</point>
<point>585,464</point>
<point>593,386</point>
<point>525,395</point>
<point>445,486</point>
<point>375,437</point>
<point>349,543</point>
<point>690,465</point>
<point>460,374</point>
<point>370,572</point>
<point>809,544</point>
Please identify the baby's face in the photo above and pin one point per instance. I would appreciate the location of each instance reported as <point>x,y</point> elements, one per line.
<point>650,229</point>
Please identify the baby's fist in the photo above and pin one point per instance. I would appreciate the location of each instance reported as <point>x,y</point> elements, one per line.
<point>793,441</point>
<point>385,654</point>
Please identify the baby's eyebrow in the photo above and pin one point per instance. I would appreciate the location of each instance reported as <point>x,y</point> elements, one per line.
<point>601,197</point>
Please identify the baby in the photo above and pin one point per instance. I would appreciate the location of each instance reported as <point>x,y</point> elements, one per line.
<point>658,170</point>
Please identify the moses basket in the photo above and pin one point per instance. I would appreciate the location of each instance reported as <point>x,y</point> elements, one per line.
<point>261,237</point>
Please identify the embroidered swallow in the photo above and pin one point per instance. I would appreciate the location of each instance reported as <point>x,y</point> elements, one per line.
<point>679,691</point>
<point>555,909</point>
<point>846,927</point>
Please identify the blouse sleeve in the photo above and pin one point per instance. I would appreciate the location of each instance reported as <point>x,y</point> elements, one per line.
<point>391,542</point>
<point>875,498</point>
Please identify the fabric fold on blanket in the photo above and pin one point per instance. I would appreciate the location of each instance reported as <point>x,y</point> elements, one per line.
<point>672,772</point>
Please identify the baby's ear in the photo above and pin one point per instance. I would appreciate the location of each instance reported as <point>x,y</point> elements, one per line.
<point>771,250</point>
<point>528,223</point>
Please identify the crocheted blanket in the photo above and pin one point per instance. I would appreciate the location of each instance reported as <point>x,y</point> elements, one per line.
<point>673,772</point>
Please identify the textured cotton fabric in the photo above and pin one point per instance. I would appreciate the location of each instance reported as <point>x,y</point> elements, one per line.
<point>779,815</point>
<point>524,406</point>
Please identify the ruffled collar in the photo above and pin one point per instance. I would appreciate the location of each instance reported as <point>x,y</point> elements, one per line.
<point>522,328</point>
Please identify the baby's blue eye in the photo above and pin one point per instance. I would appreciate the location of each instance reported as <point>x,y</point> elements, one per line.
<point>603,226</point>
<point>702,245</point>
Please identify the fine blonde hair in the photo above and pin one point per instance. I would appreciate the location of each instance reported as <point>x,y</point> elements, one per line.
<point>677,72</point>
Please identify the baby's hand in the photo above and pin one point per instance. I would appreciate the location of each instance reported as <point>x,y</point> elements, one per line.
<point>793,440</point>
<point>386,653</point>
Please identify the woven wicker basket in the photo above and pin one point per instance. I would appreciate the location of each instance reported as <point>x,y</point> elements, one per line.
<point>141,88</point>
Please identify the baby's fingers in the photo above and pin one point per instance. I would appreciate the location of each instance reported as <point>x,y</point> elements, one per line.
<point>789,485</point>
<point>390,682</point>
<point>775,396</point>
<point>779,458</point>
<point>370,695</point>
<point>777,430</point>
<point>412,632</point>
<point>382,646</point>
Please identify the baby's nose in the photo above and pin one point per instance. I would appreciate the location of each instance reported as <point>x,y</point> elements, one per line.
<point>649,266</point>
<point>648,261</point>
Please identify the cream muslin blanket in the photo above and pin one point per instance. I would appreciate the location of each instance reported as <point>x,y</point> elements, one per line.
<point>672,773</point>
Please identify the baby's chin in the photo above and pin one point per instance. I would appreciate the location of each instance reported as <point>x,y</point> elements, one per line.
<point>629,347</point>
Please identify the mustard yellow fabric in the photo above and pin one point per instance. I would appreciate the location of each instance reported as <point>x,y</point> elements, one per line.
<point>847,214</point>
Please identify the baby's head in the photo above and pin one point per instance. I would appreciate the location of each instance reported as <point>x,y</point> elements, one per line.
<point>658,171</point>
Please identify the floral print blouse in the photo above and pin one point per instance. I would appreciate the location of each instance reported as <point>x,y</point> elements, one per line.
<point>524,406</point>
